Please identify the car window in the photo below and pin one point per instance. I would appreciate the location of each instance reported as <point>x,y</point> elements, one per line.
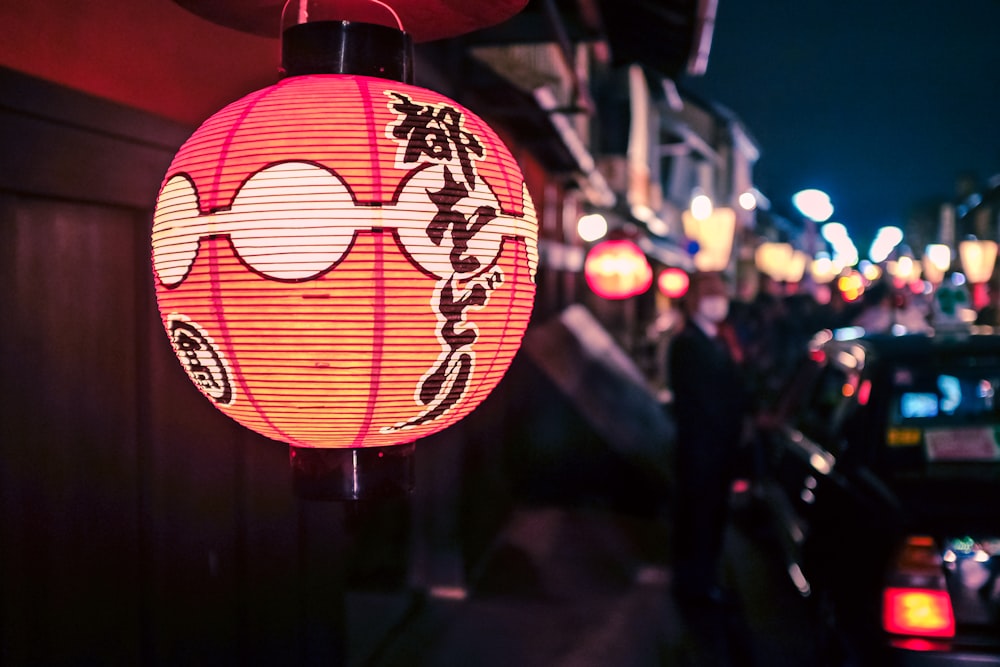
<point>795,389</point>
<point>944,413</point>
<point>821,412</point>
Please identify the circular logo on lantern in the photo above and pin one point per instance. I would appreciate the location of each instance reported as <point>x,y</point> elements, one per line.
<point>201,358</point>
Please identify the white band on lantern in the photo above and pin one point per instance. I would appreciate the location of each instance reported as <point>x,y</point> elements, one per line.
<point>307,243</point>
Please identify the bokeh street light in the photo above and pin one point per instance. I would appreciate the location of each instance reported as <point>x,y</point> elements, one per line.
<point>904,271</point>
<point>592,227</point>
<point>845,253</point>
<point>617,269</point>
<point>814,204</point>
<point>978,259</point>
<point>936,262</point>
<point>772,257</point>
<point>886,240</point>
<point>673,282</point>
<point>823,269</point>
<point>712,231</point>
<point>782,262</point>
<point>701,207</point>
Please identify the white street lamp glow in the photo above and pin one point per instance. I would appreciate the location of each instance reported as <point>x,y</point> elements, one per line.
<point>886,239</point>
<point>936,262</point>
<point>814,204</point>
<point>844,251</point>
<point>747,201</point>
<point>591,227</point>
<point>701,207</point>
<point>891,234</point>
<point>939,255</point>
<point>845,255</point>
<point>833,232</point>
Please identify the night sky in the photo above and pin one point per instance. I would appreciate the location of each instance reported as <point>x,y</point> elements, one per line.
<point>881,103</point>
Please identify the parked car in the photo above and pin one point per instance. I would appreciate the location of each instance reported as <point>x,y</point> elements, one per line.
<point>881,472</point>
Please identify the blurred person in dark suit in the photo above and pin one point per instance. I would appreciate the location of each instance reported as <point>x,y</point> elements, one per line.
<point>710,408</point>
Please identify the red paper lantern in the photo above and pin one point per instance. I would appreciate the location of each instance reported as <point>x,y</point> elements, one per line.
<point>344,261</point>
<point>673,282</point>
<point>617,269</point>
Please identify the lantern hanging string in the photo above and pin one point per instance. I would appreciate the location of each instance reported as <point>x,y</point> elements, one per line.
<point>399,23</point>
<point>303,13</point>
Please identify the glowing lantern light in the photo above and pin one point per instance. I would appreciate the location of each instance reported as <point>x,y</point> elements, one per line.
<point>851,286</point>
<point>823,269</point>
<point>796,267</point>
<point>904,271</point>
<point>871,272</point>
<point>936,262</point>
<point>978,259</point>
<point>344,263</point>
<point>781,261</point>
<point>773,258</point>
<point>673,283</point>
<point>712,230</point>
<point>617,269</point>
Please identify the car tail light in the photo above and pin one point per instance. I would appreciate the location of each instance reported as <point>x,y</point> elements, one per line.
<point>864,392</point>
<point>915,601</point>
<point>917,611</point>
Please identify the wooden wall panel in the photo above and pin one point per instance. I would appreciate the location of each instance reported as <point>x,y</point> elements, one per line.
<point>69,569</point>
<point>270,564</point>
<point>72,146</point>
<point>193,459</point>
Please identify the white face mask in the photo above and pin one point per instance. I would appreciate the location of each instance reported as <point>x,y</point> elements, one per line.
<point>713,308</point>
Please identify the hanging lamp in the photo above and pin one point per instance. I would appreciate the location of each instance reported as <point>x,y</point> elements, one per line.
<point>343,261</point>
<point>617,269</point>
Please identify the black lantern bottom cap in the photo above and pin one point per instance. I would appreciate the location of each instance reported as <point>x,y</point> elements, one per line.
<point>352,473</point>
